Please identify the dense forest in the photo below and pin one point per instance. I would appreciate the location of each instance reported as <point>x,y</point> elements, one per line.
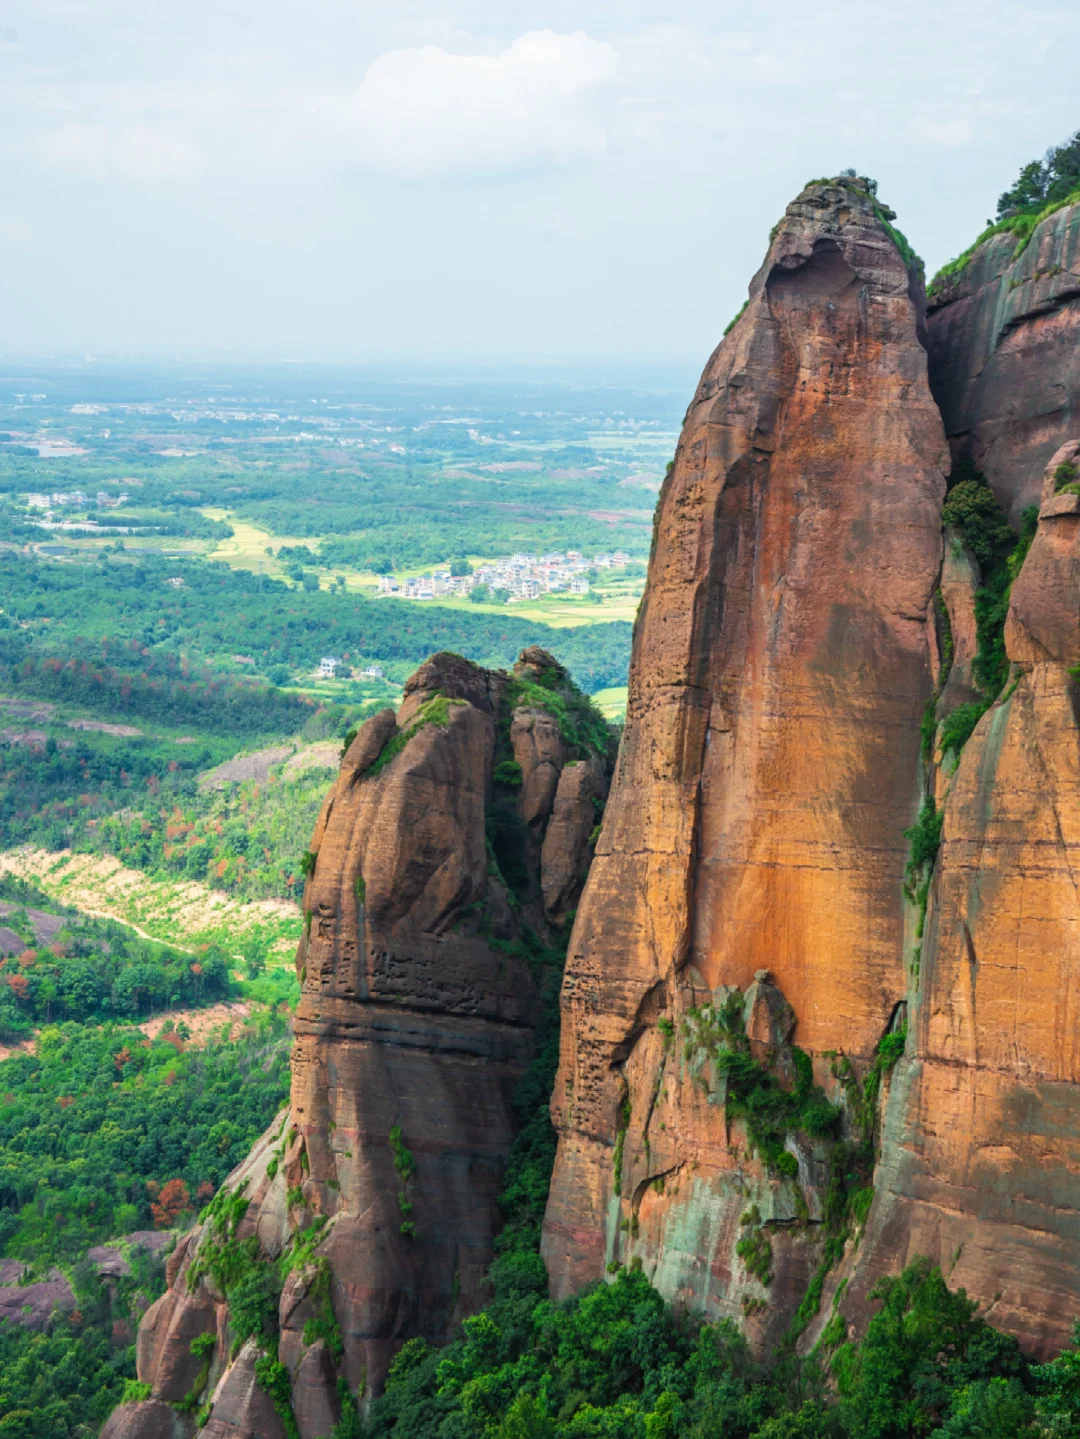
<point>617,1363</point>
<point>104,1132</point>
<point>94,969</point>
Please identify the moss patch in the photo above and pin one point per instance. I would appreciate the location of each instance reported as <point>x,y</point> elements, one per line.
<point>433,711</point>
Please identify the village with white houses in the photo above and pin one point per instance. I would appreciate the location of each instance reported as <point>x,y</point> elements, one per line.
<point>73,499</point>
<point>523,577</point>
<point>327,669</point>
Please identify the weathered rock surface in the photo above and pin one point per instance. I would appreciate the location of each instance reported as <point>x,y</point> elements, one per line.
<point>112,1260</point>
<point>414,1026</point>
<point>37,1304</point>
<point>960,578</point>
<point>802,609</point>
<point>980,1164</point>
<point>770,762</point>
<point>33,1306</point>
<point>240,1406</point>
<point>568,841</point>
<point>1005,355</point>
<point>152,1420</point>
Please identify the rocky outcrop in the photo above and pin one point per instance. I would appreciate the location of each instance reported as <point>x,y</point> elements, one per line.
<point>153,1419</point>
<point>371,1208</point>
<point>38,1303</point>
<point>1005,355</point>
<point>769,768</point>
<point>980,1164</point>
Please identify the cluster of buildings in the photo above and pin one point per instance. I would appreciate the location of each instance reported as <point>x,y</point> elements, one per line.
<point>329,663</point>
<point>524,577</point>
<point>61,499</point>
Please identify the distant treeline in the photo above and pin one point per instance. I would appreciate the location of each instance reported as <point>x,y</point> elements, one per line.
<point>220,704</point>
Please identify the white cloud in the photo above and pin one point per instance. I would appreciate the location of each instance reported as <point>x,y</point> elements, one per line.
<point>944,132</point>
<point>143,153</point>
<point>427,112</point>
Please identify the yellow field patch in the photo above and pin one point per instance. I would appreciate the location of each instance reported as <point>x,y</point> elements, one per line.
<point>611,702</point>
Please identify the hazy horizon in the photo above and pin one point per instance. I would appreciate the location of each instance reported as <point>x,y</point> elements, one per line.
<point>526,184</point>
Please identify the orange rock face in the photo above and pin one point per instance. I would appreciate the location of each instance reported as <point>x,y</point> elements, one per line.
<point>981,1153</point>
<point>1005,355</point>
<point>414,1026</point>
<point>770,762</point>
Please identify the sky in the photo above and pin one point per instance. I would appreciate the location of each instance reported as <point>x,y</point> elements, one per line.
<point>527,181</point>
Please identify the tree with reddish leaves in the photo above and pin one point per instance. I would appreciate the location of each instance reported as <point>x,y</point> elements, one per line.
<point>172,1201</point>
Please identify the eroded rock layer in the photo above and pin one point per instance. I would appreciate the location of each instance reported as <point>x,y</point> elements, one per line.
<point>455,838</point>
<point>1005,355</point>
<point>770,763</point>
<point>980,1161</point>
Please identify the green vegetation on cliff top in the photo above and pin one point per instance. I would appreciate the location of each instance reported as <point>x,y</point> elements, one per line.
<point>1041,189</point>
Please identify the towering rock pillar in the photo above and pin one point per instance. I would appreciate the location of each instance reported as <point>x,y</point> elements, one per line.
<point>771,756</point>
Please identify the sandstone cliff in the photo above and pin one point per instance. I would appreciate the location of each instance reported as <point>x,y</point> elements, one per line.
<point>770,765</point>
<point>445,857</point>
<point>1005,355</point>
<point>981,1152</point>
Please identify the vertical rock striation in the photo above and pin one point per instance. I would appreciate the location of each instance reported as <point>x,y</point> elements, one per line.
<point>1005,355</point>
<point>769,767</point>
<point>436,881</point>
<point>981,1153</point>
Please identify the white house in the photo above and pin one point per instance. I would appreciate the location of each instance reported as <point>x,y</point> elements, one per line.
<point>372,672</point>
<point>579,586</point>
<point>327,666</point>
